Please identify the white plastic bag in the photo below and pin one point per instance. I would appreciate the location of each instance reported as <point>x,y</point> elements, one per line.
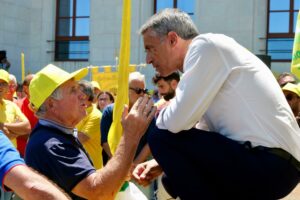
<point>131,193</point>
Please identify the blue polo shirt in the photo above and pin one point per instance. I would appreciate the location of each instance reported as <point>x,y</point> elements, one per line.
<point>9,157</point>
<point>53,151</point>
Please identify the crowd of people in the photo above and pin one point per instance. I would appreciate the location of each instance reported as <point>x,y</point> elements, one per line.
<point>223,129</point>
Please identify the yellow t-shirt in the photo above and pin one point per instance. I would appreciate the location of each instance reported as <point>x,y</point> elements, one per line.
<point>10,113</point>
<point>90,125</point>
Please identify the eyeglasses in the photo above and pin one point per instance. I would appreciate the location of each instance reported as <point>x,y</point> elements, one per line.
<point>139,90</point>
<point>103,99</point>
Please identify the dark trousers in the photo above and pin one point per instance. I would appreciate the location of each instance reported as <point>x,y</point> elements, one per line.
<point>206,165</point>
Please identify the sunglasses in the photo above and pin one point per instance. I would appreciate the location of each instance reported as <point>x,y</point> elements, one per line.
<point>139,90</point>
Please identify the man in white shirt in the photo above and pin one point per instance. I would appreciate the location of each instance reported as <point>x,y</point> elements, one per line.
<point>253,148</point>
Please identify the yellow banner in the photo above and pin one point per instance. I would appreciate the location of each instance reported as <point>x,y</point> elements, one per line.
<point>108,79</point>
<point>295,66</point>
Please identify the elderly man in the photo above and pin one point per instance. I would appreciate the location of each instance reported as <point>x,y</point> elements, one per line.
<point>252,150</point>
<point>137,89</point>
<point>55,152</point>
<point>285,78</point>
<point>12,87</point>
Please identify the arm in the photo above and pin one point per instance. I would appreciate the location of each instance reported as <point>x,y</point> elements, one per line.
<point>107,149</point>
<point>18,128</point>
<point>20,125</point>
<point>82,137</point>
<point>106,182</point>
<point>88,128</point>
<point>143,155</point>
<point>205,73</point>
<point>29,185</point>
<point>105,124</point>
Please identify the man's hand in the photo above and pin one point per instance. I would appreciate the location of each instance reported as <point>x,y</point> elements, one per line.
<point>138,119</point>
<point>146,172</point>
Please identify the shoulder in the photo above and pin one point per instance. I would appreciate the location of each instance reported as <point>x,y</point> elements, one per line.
<point>108,109</point>
<point>43,138</point>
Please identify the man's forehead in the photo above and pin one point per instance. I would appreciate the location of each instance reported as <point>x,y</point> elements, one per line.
<point>136,83</point>
<point>287,79</point>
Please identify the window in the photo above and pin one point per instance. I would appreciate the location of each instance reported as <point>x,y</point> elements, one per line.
<point>72,30</point>
<point>282,20</point>
<point>184,5</point>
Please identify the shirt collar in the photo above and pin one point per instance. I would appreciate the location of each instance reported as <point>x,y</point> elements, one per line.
<point>52,124</point>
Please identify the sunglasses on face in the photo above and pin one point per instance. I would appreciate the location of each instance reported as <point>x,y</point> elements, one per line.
<point>139,90</point>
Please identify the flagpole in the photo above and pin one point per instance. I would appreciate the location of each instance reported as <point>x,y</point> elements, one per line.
<point>23,65</point>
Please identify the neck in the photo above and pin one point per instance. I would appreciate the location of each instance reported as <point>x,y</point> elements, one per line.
<point>184,46</point>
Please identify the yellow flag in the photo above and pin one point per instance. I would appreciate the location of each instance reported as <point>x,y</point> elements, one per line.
<point>23,65</point>
<point>295,67</point>
<point>116,130</point>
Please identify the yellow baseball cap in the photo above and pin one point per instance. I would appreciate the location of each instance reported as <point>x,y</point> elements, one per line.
<point>292,88</point>
<point>95,84</point>
<point>47,80</point>
<point>4,75</point>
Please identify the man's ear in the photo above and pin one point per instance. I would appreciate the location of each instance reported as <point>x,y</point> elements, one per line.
<point>50,103</point>
<point>174,84</point>
<point>172,38</point>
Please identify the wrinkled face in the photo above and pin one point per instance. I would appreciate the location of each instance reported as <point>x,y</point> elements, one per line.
<point>133,94</point>
<point>165,89</point>
<point>293,101</point>
<point>71,109</point>
<point>3,88</point>
<point>103,101</point>
<point>159,53</point>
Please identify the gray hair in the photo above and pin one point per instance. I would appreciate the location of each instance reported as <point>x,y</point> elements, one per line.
<point>56,94</point>
<point>169,20</point>
<point>87,88</point>
<point>13,79</point>
<point>136,76</point>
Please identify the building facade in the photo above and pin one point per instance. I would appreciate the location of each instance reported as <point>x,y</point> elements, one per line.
<point>79,33</point>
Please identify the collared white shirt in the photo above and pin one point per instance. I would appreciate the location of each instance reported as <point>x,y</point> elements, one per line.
<point>235,93</point>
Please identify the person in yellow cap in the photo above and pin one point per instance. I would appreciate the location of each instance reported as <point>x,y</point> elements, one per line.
<point>12,121</point>
<point>292,94</point>
<point>53,149</point>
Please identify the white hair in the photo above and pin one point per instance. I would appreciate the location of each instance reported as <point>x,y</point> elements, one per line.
<point>136,76</point>
<point>12,78</point>
<point>56,94</point>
